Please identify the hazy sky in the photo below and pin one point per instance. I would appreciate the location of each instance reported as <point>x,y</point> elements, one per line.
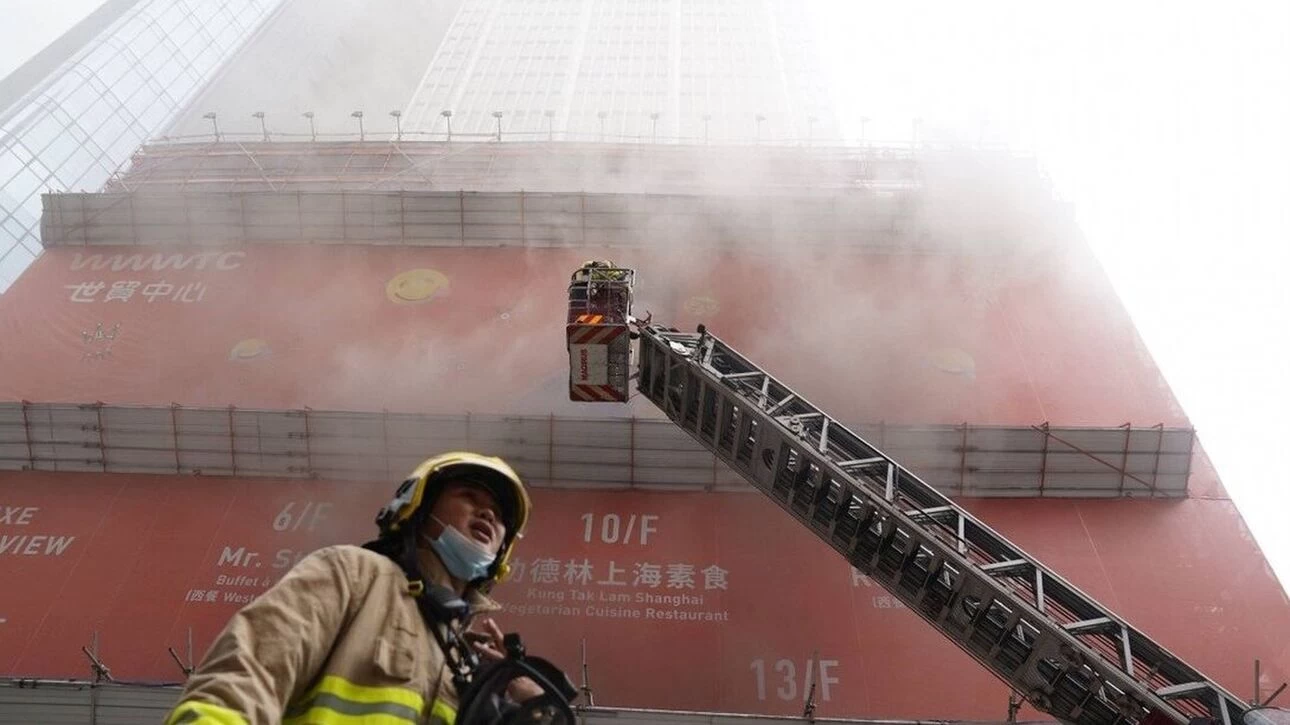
<point>1166,125</point>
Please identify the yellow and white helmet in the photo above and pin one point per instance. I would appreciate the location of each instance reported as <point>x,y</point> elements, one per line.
<point>425,482</point>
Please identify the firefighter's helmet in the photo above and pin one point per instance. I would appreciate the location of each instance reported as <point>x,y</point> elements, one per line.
<point>424,483</point>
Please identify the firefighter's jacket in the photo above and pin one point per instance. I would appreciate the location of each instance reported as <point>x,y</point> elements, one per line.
<point>338,640</point>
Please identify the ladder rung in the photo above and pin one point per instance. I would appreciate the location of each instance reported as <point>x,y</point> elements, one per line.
<point>775,408</point>
<point>1011,567</point>
<point>931,512</point>
<point>786,419</point>
<point>862,462</point>
<point>1186,689</point>
<point>1090,626</point>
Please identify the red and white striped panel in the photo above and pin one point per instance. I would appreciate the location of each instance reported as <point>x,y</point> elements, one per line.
<point>593,351</point>
<point>594,334</point>
<point>596,393</point>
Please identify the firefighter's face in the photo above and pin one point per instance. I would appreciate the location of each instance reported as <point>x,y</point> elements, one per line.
<point>470,508</point>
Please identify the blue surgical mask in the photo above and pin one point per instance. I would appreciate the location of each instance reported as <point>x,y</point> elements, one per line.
<point>464,557</point>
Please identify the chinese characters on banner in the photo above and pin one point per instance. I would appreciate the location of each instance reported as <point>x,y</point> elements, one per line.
<point>133,289</point>
<point>123,291</point>
<point>643,574</point>
<point>618,587</point>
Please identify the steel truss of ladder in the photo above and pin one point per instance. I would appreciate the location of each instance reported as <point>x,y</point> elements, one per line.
<point>1068,655</point>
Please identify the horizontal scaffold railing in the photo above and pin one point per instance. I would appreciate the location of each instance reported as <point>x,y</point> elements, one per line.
<point>961,460</point>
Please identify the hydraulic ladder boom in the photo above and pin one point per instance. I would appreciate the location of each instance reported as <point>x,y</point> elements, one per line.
<point>1068,655</point>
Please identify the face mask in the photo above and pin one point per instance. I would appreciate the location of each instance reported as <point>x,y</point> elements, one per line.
<point>464,557</point>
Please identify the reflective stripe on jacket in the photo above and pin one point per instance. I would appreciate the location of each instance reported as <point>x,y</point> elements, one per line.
<point>338,641</point>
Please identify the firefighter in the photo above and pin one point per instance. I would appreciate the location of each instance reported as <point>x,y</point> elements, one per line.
<point>599,270</point>
<point>378,630</point>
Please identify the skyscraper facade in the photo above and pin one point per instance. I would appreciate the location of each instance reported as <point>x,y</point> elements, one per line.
<point>628,71</point>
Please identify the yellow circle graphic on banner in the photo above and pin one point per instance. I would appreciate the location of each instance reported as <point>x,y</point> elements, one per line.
<point>954,361</point>
<point>702,306</point>
<point>416,286</point>
<point>249,349</point>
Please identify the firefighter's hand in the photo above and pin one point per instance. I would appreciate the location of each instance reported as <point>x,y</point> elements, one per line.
<point>488,644</point>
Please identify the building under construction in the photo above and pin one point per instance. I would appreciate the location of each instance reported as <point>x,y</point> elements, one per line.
<point>232,346</point>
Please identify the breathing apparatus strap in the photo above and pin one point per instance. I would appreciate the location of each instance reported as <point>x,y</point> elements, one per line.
<point>445,615</point>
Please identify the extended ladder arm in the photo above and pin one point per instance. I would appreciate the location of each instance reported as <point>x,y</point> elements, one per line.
<point>1068,655</point>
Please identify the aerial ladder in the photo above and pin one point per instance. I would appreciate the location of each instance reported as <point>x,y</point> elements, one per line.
<point>1054,645</point>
